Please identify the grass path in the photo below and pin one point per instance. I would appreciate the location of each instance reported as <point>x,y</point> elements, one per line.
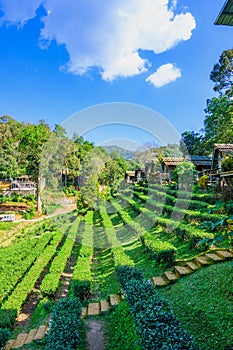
<point>203,302</point>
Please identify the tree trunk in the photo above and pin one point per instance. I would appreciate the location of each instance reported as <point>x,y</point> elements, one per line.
<point>39,199</point>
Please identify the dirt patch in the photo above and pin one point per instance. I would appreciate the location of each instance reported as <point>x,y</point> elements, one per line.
<point>14,207</point>
<point>95,335</point>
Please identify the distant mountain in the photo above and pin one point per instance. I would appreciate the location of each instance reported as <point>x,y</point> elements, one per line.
<point>124,153</point>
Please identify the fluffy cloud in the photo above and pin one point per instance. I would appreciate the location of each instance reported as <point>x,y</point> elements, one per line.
<point>165,74</point>
<point>109,34</point>
<point>18,12</point>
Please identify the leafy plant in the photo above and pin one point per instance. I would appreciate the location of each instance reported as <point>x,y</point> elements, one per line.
<point>64,325</point>
<point>157,323</point>
<point>81,289</point>
<point>4,336</point>
<point>227,163</point>
<point>203,181</point>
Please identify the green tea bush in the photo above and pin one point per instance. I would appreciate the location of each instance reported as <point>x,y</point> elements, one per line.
<point>81,289</point>
<point>157,323</point>
<point>4,336</point>
<point>163,252</point>
<point>7,318</point>
<point>65,325</point>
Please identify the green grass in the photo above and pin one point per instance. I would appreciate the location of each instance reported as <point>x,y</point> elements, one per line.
<point>203,302</point>
<point>184,251</point>
<point>104,275</point>
<point>51,208</point>
<point>141,259</point>
<point>6,226</point>
<point>41,313</point>
<point>121,330</point>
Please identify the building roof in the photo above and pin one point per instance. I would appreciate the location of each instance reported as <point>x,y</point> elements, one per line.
<point>173,161</point>
<point>130,173</point>
<point>201,160</point>
<point>196,160</point>
<point>224,147</point>
<point>225,16</point>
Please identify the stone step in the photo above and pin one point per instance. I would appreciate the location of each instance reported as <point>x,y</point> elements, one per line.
<point>214,257</point>
<point>93,309</point>
<point>224,254</point>
<point>40,332</point>
<point>202,261</point>
<point>104,305</point>
<point>84,311</point>
<point>182,270</point>
<point>10,344</point>
<point>30,336</point>
<point>115,299</point>
<point>171,276</point>
<point>69,275</point>
<point>192,265</point>
<point>160,281</point>
<point>19,340</point>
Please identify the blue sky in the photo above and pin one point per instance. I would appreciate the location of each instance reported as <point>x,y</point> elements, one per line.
<point>59,57</point>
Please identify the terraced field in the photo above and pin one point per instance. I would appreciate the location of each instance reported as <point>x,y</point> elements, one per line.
<point>156,233</point>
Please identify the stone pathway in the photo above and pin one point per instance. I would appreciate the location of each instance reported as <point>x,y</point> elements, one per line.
<point>184,267</point>
<point>95,335</point>
<point>93,309</point>
<point>27,338</point>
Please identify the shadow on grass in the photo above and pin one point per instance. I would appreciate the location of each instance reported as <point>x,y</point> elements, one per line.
<point>104,275</point>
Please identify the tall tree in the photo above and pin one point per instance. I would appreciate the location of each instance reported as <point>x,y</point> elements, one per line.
<point>32,143</point>
<point>192,144</point>
<point>222,74</point>
<point>9,154</point>
<point>218,121</point>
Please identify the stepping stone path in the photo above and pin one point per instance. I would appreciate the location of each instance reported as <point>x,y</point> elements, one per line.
<point>186,267</point>
<point>93,309</point>
<point>27,338</point>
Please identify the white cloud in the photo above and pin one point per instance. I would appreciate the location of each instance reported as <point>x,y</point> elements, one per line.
<point>18,12</point>
<point>109,34</point>
<point>165,74</point>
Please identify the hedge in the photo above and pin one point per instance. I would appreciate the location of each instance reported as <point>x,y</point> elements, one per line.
<point>24,288</point>
<point>162,252</point>
<point>64,326</point>
<point>81,281</point>
<point>119,256</point>
<point>4,336</point>
<point>51,281</point>
<point>154,318</point>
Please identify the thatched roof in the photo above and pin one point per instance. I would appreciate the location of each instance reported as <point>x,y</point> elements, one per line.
<point>196,160</point>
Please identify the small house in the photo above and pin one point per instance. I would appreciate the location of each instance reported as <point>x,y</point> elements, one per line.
<point>220,153</point>
<point>22,185</point>
<point>130,176</point>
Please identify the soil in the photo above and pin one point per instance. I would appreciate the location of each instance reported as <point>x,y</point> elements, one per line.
<point>14,207</point>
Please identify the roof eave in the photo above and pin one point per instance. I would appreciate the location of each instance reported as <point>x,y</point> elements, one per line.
<point>225,16</point>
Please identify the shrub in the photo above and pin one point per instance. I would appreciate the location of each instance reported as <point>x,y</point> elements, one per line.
<point>64,326</point>
<point>126,273</point>
<point>162,252</point>
<point>203,181</point>
<point>81,289</point>
<point>156,321</point>
<point>7,318</point>
<point>4,336</point>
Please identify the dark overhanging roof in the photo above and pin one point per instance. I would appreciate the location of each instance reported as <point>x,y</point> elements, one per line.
<point>225,16</point>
